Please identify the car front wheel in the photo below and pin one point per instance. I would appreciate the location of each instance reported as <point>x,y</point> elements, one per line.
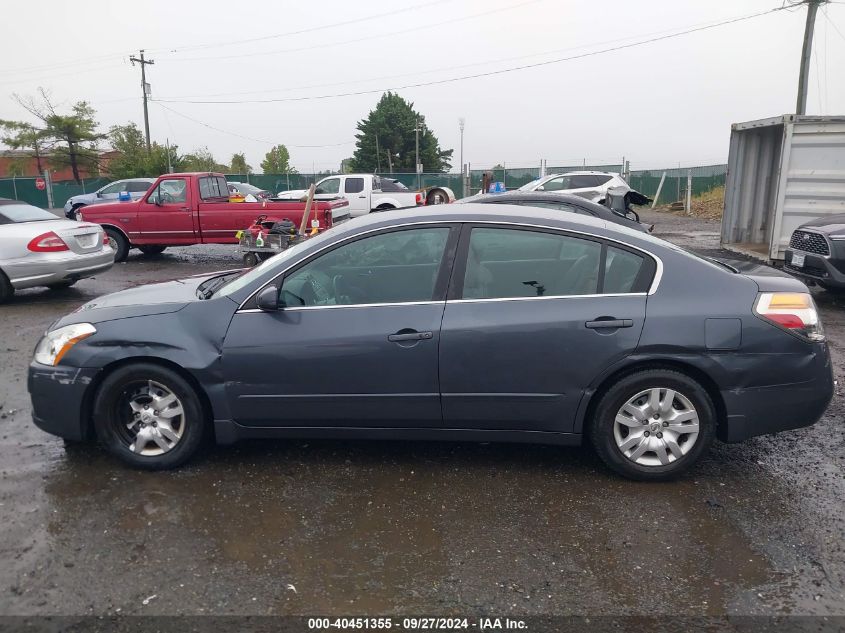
<point>118,243</point>
<point>149,416</point>
<point>653,425</point>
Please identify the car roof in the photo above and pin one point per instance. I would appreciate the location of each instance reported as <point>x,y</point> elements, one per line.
<point>7,201</point>
<point>583,173</point>
<point>551,196</point>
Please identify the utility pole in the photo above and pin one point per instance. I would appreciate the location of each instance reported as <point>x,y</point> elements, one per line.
<point>378,156</point>
<point>804,73</point>
<point>145,89</point>
<point>461,122</point>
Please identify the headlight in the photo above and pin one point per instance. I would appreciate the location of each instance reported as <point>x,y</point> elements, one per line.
<point>52,348</point>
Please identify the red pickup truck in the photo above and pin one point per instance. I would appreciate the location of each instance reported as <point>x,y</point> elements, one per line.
<point>193,208</point>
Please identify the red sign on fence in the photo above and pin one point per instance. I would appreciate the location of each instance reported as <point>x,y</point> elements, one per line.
<point>40,184</point>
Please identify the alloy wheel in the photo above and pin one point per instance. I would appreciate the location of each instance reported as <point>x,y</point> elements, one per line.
<point>151,418</point>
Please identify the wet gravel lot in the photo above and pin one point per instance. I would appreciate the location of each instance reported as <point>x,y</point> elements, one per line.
<point>389,528</point>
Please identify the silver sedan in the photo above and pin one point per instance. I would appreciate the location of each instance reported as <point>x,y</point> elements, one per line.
<point>39,249</point>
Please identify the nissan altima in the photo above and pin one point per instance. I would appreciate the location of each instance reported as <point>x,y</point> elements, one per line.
<point>465,322</point>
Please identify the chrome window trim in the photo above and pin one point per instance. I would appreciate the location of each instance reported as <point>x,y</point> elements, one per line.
<point>492,299</point>
<point>658,273</point>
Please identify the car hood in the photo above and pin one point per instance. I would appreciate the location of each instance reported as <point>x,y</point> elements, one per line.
<point>158,298</point>
<point>83,198</point>
<point>829,224</point>
<point>90,212</point>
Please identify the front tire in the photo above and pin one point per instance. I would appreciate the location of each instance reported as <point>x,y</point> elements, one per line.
<point>653,425</point>
<point>118,243</point>
<point>149,416</point>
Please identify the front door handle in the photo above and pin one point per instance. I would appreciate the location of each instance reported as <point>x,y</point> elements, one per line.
<point>409,336</point>
<point>609,323</point>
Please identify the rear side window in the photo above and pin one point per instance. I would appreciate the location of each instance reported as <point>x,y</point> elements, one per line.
<point>600,180</point>
<point>621,270</point>
<point>213,187</point>
<point>582,182</point>
<point>508,263</point>
<point>354,185</point>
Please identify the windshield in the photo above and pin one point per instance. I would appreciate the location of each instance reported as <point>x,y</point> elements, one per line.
<point>21,212</point>
<point>245,188</point>
<point>277,262</point>
<point>531,185</point>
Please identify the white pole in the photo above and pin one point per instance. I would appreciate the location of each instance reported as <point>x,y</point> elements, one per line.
<point>689,191</point>
<point>659,189</point>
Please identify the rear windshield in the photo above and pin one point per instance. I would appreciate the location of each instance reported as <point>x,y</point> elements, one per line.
<point>15,213</point>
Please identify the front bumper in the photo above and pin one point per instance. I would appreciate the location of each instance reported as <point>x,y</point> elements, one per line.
<point>58,397</point>
<point>51,268</point>
<point>817,268</point>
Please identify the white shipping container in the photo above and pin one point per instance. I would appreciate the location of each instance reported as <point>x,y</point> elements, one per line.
<point>782,172</point>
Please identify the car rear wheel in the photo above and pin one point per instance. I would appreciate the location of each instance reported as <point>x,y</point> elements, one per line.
<point>61,285</point>
<point>152,249</point>
<point>149,416</point>
<point>118,243</point>
<point>6,288</point>
<point>653,425</point>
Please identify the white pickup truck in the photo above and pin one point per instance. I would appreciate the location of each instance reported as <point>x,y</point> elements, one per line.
<point>364,192</point>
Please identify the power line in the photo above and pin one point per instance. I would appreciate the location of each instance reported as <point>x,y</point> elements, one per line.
<point>330,44</point>
<point>312,29</point>
<point>484,74</point>
<point>182,98</point>
<point>248,138</point>
<point>832,23</point>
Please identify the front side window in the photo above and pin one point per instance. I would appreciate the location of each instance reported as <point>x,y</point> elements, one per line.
<point>354,185</point>
<point>556,184</point>
<point>396,267</point>
<point>115,187</point>
<point>508,263</point>
<point>170,191</point>
<point>332,185</point>
<point>137,186</point>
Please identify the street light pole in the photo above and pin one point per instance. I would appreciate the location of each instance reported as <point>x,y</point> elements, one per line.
<point>461,123</point>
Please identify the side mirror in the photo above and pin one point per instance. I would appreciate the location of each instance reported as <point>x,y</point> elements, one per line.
<point>268,299</point>
<point>99,195</point>
<point>540,188</point>
<point>157,199</point>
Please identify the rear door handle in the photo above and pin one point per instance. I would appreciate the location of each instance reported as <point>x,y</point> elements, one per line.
<point>409,336</point>
<point>609,323</point>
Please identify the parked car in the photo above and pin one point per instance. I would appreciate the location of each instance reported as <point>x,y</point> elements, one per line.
<point>193,208</point>
<point>247,190</point>
<point>39,249</point>
<point>562,202</point>
<point>591,185</point>
<point>816,252</point>
<point>363,192</point>
<point>459,322</point>
<point>134,188</point>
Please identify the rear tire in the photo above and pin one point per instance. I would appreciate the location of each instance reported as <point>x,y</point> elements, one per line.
<point>152,249</point>
<point>119,244</point>
<point>149,416</point>
<point>61,285</point>
<point>251,259</point>
<point>653,425</point>
<point>6,288</point>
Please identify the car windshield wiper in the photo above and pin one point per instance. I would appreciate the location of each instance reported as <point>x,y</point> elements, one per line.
<point>207,288</point>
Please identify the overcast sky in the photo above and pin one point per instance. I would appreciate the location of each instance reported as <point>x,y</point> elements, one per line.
<point>658,104</point>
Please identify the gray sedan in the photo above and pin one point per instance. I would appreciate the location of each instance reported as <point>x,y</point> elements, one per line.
<point>455,322</point>
<point>39,249</point>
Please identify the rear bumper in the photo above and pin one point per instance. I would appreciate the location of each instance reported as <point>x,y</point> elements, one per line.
<point>768,409</point>
<point>53,268</point>
<point>816,268</point>
<point>58,399</point>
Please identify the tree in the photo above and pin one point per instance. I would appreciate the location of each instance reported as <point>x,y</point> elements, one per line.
<point>132,160</point>
<point>157,163</point>
<point>277,161</point>
<point>202,160</point>
<point>239,165</point>
<point>23,136</point>
<point>71,139</point>
<point>386,140</point>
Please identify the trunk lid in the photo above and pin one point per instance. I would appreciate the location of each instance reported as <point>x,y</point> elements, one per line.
<point>82,238</point>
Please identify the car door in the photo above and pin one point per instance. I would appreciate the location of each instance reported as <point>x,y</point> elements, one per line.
<point>165,213</point>
<point>585,185</point>
<point>219,219</point>
<point>355,344</point>
<point>111,192</point>
<point>533,316</point>
<point>355,191</point>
